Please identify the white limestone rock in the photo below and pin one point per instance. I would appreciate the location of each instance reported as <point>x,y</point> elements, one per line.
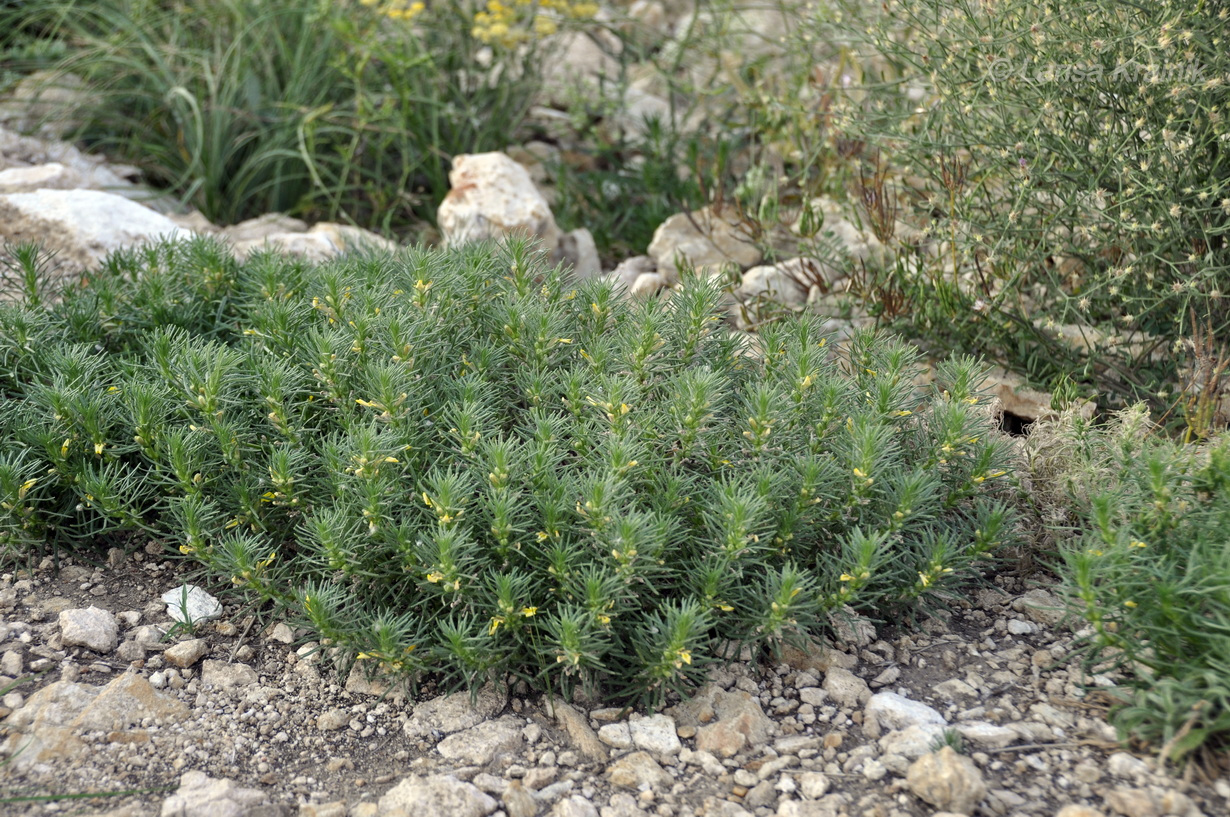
<point>190,604</point>
<point>202,796</point>
<point>81,226</point>
<point>494,197</point>
<point>50,176</point>
<point>90,627</point>
<point>706,240</point>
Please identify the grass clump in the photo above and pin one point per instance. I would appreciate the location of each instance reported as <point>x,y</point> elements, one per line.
<point>460,463</point>
<point>1149,570</point>
<point>329,109</point>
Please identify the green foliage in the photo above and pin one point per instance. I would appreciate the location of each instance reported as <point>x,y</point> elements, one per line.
<point>322,108</point>
<point>1149,570</point>
<point>459,463</point>
<point>1069,161</point>
<point>633,186</point>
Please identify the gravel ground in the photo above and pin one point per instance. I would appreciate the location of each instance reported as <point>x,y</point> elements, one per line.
<point>984,713</point>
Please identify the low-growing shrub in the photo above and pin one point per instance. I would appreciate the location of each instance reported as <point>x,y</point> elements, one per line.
<point>1149,569</point>
<point>462,463</point>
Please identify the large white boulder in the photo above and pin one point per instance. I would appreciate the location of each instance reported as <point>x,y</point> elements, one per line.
<point>81,226</point>
<point>493,196</point>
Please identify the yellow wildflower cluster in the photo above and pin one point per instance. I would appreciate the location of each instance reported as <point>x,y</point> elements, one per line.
<point>512,22</point>
<point>397,9</point>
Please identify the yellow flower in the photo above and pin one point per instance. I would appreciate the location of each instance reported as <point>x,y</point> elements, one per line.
<point>496,621</point>
<point>1137,544</point>
<point>435,577</point>
<point>98,448</point>
<point>64,447</point>
<point>25,488</point>
<point>529,612</point>
<point>846,577</point>
<point>1129,604</point>
<point>924,579</point>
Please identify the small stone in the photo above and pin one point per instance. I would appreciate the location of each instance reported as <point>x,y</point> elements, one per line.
<point>190,604</point>
<point>616,735</point>
<point>579,731</point>
<point>1134,803</point>
<point>333,719</point>
<point>1087,772</point>
<point>813,785</point>
<point>437,794</point>
<point>1051,716</point>
<point>647,284</point>
<point>337,808</point>
<point>1073,810</point>
<point>914,741</point>
<point>227,676</point>
<point>986,735</point>
<point>490,783</point>
<point>947,781</point>
<point>813,695</point>
<point>760,795</point>
<point>202,796</point>
<point>149,636</point>
<point>479,745</point>
<point>624,805</point>
<point>705,238</point>
<point>186,653</point>
<point>955,690</point>
<point>846,688</point>
<point>888,711</point>
<point>639,769</point>
<point>574,806</point>
<point>11,664</point>
<point>540,776</point>
<point>1018,627</point>
<point>453,713</point>
<point>656,734</point>
<point>722,739</point>
<point>90,627</point>
<point>130,651</point>
<point>1041,606</point>
<point>518,802</point>
<point>1122,764</point>
<point>281,633</point>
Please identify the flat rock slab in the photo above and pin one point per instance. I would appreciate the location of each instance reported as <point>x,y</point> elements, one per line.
<point>439,794</point>
<point>479,745</point>
<point>202,796</point>
<point>50,723</point>
<point>90,627</point>
<point>81,226</point>
<point>455,712</point>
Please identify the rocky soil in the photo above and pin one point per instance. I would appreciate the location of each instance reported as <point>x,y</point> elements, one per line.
<point>985,712</point>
